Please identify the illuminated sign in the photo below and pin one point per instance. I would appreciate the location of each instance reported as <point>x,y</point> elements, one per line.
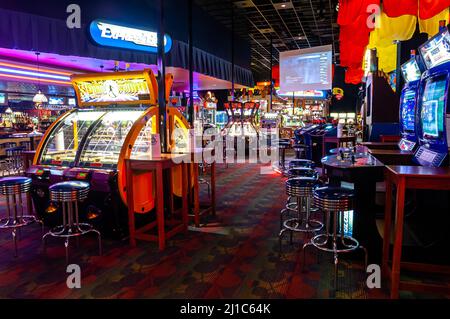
<point>113,90</point>
<point>338,93</point>
<point>119,36</point>
<point>308,93</point>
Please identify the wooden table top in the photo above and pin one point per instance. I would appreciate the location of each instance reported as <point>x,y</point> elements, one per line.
<point>389,152</point>
<point>420,171</point>
<point>167,160</point>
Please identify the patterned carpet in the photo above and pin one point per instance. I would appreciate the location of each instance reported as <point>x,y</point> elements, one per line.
<point>235,255</point>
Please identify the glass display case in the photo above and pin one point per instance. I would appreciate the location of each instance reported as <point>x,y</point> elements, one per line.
<point>64,140</point>
<point>104,143</point>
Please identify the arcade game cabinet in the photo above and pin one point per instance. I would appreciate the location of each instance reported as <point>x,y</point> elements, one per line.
<point>411,71</point>
<point>433,113</point>
<point>116,119</point>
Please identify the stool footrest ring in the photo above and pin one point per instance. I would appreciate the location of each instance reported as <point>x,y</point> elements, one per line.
<point>344,244</point>
<point>19,221</point>
<point>71,231</point>
<point>296,225</point>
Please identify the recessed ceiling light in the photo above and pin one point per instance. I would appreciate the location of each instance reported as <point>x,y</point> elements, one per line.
<point>244,4</point>
<point>283,5</point>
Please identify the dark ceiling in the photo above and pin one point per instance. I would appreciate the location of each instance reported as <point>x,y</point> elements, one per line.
<point>291,25</point>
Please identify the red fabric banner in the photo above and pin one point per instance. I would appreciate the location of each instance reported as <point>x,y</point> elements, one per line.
<point>354,75</point>
<point>430,8</point>
<point>395,8</point>
<point>351,54</point>
<point>351,10</point>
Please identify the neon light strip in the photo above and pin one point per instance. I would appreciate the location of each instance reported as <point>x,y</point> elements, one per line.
<point>37,74</point>
<point>18,66</point>
<point>32,79</point>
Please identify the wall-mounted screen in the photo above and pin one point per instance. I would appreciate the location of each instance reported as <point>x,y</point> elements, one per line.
<point>53,100</point>
<point>433,108</point>
<point>72,101</point>
<point>306,69</point>
<point>437,50</point>
<point>411,70</point>
<point>3,98</point>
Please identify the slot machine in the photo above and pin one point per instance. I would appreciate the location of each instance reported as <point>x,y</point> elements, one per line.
<point>433,111</point>
<point>116,119</point>
<point>411,71</point>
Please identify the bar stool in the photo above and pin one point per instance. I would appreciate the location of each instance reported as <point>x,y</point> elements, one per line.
<point>301,163</point>
<point>283,144</point>
<point>334,201</point>
<point>298,172</point>
<point>69,194</point>
<point>13,188</point>
<point>300,188</point>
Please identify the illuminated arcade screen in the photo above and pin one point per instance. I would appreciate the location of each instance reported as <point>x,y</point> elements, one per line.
<point>56,100</point>
<point>407,113</point>
<point>433,108</point>
<point>3,99</point>
<point>411,71</point>
<point>437,50</point>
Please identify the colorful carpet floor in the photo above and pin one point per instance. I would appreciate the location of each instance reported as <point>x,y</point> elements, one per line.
<point>235,255</point>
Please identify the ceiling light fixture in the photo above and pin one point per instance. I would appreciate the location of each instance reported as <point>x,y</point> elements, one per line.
<point>39,98</point>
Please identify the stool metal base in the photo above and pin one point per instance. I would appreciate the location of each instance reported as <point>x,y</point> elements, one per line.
<point>292,206</point>
<point>19,221</point>
<point>296,225</point>
<point>15,223</point>
<point>68,231</point>
<point>336,245</point>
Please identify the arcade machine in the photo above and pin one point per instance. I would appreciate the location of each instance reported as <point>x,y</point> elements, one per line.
<point>116,119</point>
<point>411,71</point>
<point>433,111</point>
<point>270,120</point>
<point>314,138</point>
<point>424,237</point>
<point>242,118</point>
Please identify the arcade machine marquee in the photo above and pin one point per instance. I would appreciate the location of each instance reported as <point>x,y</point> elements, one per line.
<point>116,119</point>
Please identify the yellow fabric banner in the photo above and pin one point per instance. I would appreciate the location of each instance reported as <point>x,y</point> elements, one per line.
<point>385,33</point>
<point>431,26</point>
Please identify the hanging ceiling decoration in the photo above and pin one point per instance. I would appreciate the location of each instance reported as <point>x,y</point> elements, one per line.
<point>39,98</point>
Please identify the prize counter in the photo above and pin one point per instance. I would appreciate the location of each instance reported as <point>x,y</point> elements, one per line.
<point>116,120</point>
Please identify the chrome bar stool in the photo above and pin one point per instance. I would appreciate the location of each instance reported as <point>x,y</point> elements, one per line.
<point>334,201</point>
<point>297,172</point>
<point>69,194</point>
<point>300,188</point>
<point>283,145</point>
<point>13,188</point>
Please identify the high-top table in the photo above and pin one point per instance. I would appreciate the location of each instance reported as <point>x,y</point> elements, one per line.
<point>393,157</point>
<point>158,165</point>
<point>197,156</point>
<point>412,177</point>
<point>381,145</point>
<point>363,174</point>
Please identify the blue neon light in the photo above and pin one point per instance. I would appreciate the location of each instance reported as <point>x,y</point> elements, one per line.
<point>36,74</point>
<point>111,34</point>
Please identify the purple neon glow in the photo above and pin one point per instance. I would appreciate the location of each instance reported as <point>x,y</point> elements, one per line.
<point>78,64</point>
<point>36,74</point>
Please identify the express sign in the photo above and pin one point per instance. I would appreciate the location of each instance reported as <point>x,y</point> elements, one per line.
<point>114,35</point>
